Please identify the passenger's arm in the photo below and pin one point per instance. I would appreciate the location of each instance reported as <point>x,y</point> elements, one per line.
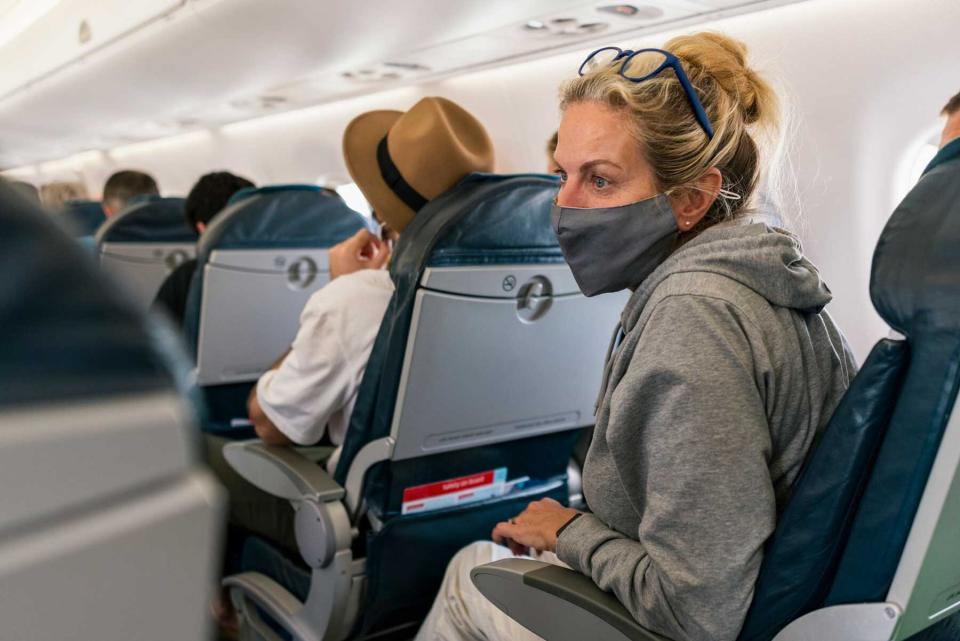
<point>690,440</point>
<point>262,425</point>
<point>292,403</point>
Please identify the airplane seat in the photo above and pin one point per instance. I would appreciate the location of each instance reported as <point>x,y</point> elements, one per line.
<point>109,526</point>
<point>142,244</point>
<point>257,265</point>
<point>83,217</point>
<point>483,374</point>
<point>866,547</point>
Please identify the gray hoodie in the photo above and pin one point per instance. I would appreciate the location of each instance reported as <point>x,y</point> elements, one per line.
<point>727,369</point>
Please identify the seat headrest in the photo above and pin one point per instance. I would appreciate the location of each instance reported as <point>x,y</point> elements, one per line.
<point>84,217</point>
<point>485,220</point>
<point>276,217</point>
<point>916,266</point>
<point>267,189</point>
<point>66,332</point>
<point>281,216</point>
<point>152,220</point>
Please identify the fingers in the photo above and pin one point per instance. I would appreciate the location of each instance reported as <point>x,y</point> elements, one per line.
<point>364,242</point>
<point>501,532</point>
<point>512,536</point>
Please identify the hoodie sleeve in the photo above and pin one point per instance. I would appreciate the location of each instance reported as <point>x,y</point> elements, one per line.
<point>690,441</point>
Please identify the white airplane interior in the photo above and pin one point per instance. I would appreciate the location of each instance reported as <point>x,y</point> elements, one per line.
<point>461,321</point>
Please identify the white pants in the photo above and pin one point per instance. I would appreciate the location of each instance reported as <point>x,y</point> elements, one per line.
<point>461,613</point>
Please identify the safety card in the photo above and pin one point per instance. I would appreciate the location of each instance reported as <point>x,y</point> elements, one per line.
<point>453,492</point>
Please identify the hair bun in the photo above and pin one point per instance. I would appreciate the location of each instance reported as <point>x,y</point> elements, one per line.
<point>724,59</point>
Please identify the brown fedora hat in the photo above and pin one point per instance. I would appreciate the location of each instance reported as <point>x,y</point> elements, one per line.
<point>401,160</point>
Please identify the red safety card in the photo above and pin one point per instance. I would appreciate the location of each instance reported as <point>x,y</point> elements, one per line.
<point>450,492</point>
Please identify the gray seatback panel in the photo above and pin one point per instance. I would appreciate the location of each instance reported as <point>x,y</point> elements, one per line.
<point>141,268</point>
<point>250,309</point>
<point>88,451</point>
<point>140,567</point>
<point>562,340</point>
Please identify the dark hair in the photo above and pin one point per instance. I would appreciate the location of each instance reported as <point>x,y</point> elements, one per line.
<point>210,195</point>
<point>952,106</point>
<point>126,184</point>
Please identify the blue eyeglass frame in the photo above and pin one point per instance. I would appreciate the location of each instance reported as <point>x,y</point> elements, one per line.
<point>669,60</point>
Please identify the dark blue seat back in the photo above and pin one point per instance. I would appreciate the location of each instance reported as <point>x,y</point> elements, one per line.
<point>149,220</point>
<point>276,217</point>
<point>485,220</point>
<point>83,217</point>
<point>66,333</point>
<point>840,538</point>
<point>915,286</point>
<point>801,557</point>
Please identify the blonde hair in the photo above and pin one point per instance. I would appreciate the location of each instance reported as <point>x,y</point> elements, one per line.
<point>55,194</point>
<point>743,110</point>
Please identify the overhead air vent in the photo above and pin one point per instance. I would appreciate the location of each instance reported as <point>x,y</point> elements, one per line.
<point>386,71</point>
<point>259,103</point>
<point>407,66</point>
<point>565,27</point>
<point>638,12</point>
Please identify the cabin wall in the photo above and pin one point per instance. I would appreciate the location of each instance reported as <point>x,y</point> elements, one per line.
<point>865,82</point>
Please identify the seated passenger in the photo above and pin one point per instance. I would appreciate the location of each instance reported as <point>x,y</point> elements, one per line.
<point>312,388</point>
<point>123,186</point>
<point>206,199</point>
<point>726,365</point>
<point>55,194</point>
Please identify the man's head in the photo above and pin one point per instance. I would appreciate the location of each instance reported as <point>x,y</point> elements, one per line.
<point>951,130</point>
<point>210,195</point>
<point>125,185</point>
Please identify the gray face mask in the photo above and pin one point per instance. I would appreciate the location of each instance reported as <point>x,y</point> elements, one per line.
<point>613,248</point>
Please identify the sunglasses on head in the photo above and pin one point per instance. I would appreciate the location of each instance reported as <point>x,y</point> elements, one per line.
<point>635,66</point>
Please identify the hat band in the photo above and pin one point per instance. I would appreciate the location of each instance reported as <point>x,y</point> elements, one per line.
<point>391,175</point>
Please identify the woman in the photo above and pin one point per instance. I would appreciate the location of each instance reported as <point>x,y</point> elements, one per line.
<point>725,367</point>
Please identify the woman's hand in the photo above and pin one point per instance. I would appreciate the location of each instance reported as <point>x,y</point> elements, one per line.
<point>363,250</point>
<point>536,527</point>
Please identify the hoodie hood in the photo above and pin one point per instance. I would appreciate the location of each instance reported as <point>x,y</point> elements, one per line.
<point>766,259</point>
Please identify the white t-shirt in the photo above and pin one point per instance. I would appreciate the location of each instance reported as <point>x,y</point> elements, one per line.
<point>316,385</point>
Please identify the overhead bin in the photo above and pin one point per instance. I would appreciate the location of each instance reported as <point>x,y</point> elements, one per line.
<point>69,31</point>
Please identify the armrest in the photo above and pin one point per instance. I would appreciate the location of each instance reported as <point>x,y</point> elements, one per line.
<point>253,593</point>
<point>557,603</point>
<point>282,471</point>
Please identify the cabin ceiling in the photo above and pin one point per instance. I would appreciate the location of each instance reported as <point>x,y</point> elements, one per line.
<point>78,75</point>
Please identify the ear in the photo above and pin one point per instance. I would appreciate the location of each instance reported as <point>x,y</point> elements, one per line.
<point>691,204</point>
<point>201,227</point>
